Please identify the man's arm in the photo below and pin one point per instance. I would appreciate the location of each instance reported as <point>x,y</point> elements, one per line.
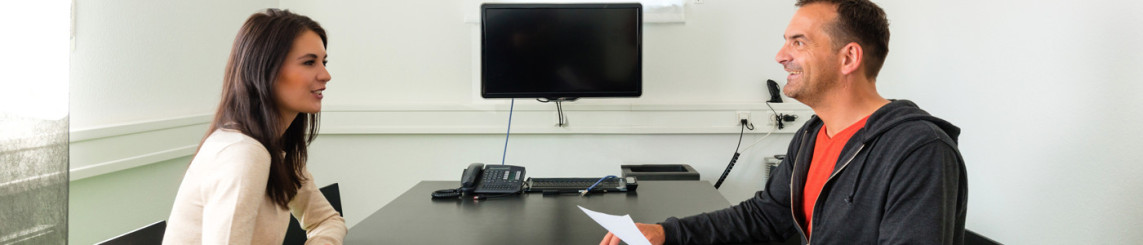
<point>766,217</point>
<point>925,202</point>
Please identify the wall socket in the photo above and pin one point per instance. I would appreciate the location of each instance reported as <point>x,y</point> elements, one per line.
<point>743,115</point>
<point>772,119</point>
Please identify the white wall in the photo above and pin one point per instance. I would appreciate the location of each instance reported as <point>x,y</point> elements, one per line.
<point>1045,92</point>
<point>1041,89</point>
<point>139,60</point>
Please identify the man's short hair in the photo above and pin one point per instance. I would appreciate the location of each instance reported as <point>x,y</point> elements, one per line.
<point>863,22</point>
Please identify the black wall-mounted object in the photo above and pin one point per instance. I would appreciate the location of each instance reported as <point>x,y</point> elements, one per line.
<point>775,93</point>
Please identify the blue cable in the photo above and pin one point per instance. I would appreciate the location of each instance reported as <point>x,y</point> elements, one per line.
<point>506,134</point>
<point>597,183</point>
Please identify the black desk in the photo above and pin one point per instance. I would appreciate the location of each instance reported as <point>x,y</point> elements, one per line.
<point>414,218</point>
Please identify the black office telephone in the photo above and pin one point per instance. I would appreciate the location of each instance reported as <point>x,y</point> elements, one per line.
<point>492,179</point>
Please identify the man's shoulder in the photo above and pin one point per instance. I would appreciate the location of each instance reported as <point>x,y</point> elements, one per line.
<point>911,134</point>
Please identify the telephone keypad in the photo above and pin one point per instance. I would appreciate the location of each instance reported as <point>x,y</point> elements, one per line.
<point>496,179</point>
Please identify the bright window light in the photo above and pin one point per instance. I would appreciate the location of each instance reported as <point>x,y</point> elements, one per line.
<point>35,65</point>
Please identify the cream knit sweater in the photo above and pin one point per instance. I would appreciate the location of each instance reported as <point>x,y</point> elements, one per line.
<point>222,199</point>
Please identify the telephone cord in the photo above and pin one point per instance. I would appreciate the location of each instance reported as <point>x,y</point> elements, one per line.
<point>509,132</point>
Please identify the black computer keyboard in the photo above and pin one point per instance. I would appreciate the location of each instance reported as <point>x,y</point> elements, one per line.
<point>575,184</point>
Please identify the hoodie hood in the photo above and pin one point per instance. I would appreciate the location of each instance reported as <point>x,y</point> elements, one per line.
<point>902,111</point>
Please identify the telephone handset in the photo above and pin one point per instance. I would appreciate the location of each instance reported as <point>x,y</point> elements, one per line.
<point>775,93</point>
<point>492,179</point>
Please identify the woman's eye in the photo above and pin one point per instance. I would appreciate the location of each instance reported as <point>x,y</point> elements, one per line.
<point>324,62</point>
<point>309,63</point>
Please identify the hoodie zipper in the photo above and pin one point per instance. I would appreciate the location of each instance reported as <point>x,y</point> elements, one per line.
<point>796,160</point>
<point>835,173</point>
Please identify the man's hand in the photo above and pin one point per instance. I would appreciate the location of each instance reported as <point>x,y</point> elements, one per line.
<point>654,233</point>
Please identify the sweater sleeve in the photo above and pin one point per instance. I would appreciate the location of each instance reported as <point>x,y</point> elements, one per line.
<point>923,200</point>
<point>322,223</point>
<point>765,217</point>
<point>232,194</point>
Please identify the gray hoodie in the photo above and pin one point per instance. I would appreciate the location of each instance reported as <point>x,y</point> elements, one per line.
<point>899,180</point>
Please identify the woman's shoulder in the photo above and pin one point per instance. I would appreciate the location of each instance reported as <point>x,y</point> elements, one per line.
<point>226,138</point>
<point>226,145</point>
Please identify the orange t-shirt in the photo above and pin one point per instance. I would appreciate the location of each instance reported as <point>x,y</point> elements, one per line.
<point>826,152</point>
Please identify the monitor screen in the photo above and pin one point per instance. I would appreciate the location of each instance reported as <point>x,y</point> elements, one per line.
<point>561,50</point>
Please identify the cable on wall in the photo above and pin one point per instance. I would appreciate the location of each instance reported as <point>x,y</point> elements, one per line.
<point>511,107</point>
<point>563,119</point>
<point>560,111</point>
<point>734,158</point>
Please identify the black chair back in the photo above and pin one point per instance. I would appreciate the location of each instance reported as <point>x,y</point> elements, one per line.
<point>333,195</point>
<point>295,234</point>
<point>972,238</point>
<point>150,234</point>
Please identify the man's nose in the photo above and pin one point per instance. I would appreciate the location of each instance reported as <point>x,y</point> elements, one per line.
<point>782,57</point>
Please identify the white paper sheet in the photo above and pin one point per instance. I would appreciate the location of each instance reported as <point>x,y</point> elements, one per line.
<point>622,226</point>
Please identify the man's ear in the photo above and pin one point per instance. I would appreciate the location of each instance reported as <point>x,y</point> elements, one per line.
<point>851,55</point>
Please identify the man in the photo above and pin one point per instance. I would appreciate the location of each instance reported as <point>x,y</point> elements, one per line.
<point>864,170</point>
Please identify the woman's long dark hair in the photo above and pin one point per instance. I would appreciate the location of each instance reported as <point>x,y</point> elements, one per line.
<point>248,104</point>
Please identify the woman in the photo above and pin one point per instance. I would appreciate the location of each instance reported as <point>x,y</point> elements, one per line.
<point>249,172</point>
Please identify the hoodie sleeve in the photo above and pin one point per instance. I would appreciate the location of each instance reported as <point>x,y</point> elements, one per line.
<point>765,217</point>
<point>922,201</point>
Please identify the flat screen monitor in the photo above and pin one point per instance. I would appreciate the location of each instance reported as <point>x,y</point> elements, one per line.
<point>561,50</point>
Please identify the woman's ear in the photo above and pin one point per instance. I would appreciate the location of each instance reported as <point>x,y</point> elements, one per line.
<point>851,56</point>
